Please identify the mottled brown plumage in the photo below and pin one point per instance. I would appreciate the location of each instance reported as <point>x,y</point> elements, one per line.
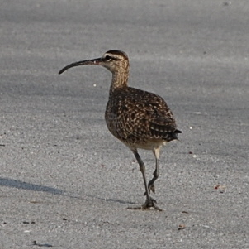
<point>138,118</point>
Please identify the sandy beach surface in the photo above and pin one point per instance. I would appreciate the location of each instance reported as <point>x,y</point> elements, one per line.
<point>66,182</point>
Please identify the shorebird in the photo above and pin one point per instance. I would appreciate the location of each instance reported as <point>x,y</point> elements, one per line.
<point>139,119</point>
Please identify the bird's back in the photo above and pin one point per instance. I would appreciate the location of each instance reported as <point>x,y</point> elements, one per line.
<point>140,119</point>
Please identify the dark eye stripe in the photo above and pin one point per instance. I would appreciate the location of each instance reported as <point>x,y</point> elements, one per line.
<point>108,58</point>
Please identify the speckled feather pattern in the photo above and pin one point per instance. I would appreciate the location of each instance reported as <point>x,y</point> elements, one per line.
<point>138,118</point>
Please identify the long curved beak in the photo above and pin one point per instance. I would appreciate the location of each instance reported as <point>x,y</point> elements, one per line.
<point>97,61</point>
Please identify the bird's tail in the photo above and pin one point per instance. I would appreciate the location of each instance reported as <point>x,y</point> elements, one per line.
<point>174,135</point>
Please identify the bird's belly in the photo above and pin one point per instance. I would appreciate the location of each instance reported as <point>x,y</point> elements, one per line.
<point>145,146</point>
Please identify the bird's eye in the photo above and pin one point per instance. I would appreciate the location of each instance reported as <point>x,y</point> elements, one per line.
<point>108,57</point>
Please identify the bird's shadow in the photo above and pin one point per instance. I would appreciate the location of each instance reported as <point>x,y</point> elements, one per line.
<point>111,200</point>
<point>18,184</point>
<point>35,187</point>
<point>29,186</point>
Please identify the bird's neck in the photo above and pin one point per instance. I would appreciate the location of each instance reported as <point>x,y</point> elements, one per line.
<point>119,80</point>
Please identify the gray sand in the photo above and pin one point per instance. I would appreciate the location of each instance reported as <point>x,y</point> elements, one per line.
<point>66,182</point>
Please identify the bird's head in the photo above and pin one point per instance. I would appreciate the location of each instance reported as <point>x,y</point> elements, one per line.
<point>113,60</point>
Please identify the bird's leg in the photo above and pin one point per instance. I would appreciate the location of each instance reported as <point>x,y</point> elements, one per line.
<point>150,202</point>
<point>142,169</point>
<point>156,172</point>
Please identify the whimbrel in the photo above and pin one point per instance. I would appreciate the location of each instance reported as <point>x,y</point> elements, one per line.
<point>139,119</point>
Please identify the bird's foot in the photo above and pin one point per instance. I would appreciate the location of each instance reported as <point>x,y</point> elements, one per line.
<point>149,204</point>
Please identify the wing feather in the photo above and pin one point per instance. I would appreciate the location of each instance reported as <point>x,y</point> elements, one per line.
<point>140,115</point>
